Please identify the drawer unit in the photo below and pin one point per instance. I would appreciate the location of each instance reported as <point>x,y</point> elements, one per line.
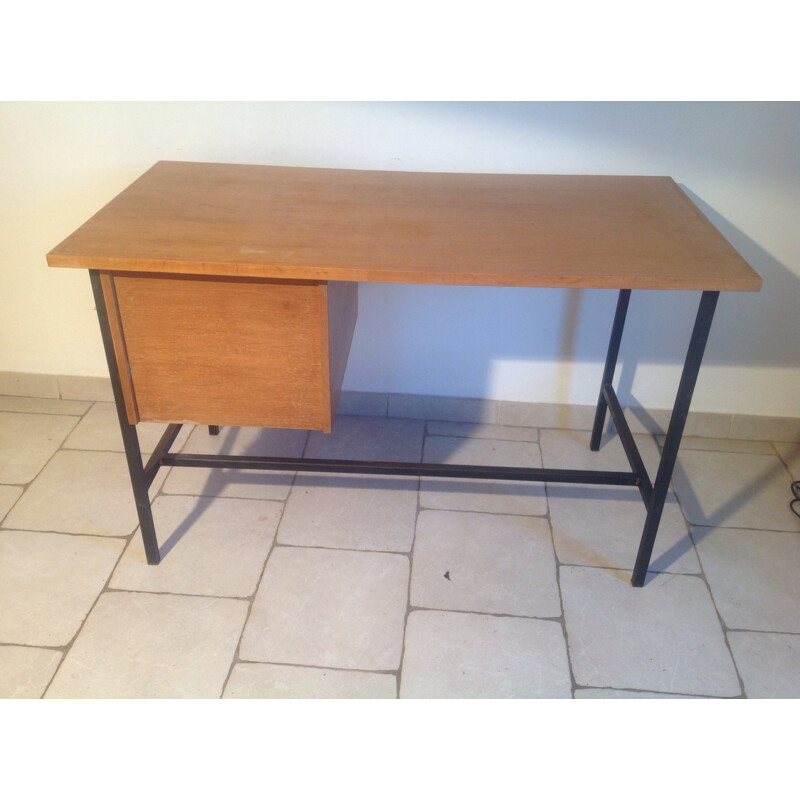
<point>230,351</point>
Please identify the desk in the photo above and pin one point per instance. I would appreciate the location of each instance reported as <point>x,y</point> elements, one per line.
<point>228,294</point>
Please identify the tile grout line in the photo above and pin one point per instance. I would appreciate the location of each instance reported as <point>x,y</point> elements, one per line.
<point>783,460</point>
<point>704,578</point>
<point>410,557</point>
<point>359,670</point>
<point>494,417</point>
<point>68,647</point>
<point>236,659</point>
<point>25,486</point>
<point>723,626</point>
<point>44,413</point>
<point>546,516</point>
<point>251,599</point>
<point>558,564</point>
<point>653,572</point>
<point>764,630</point>
<point>665,695</point>
<point>725,629</point>
<point>101,593</point>
<point>65,649</point>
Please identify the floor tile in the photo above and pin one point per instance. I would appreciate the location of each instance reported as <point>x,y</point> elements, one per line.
<point>753,576</point>
<point>456,655</point>
<point>790,455</point>
<point>500,497</point>
<point>456,409</point>
<point>737,490</point>
<point>769,663</point>
<point>252,484</point>
<point>136,645</point>
<point>664,637</point>
<point>698,423</point>
<point>211,546</point>
<point>708,423</point>
<point>85,387</point>
<point>723,445</point>
<point>570,450</point>
<point>329,608</point>
<point>43,405</point>
<point>312,683</point>
<point>8,496</point>
<point>329,614</point>
<point>48,583</point>
<point>28,384</point>
<point>545,415</point>
<point>80,491</point>
<point>27,443</point>
<point>357,512</point>
<point>483,451</point>
<point>645,420</point>
<point>99,430</point>
<point>369,439</point>
<point>368,404</point>
<point>601,526</point>
<point>26,671</point>
<point>492,563</point>
<point>775,429</point>
<point>485,431</point>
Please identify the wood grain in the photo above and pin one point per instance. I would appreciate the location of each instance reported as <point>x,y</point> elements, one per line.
<point>427,228</point>
<point>227,351</point>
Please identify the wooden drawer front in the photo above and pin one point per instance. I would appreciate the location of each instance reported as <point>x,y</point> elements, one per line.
<point>222,351</point>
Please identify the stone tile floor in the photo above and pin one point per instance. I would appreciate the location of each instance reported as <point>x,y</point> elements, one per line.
<point>310,586</point>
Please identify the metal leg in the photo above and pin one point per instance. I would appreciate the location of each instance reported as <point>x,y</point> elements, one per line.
<point>139,485</point>
<point>611,363</point>
<point>683,399</point>
<point>141,476</point>
<point>130,439</point>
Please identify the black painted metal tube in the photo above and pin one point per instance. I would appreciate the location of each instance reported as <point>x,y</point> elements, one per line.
<point>629,444</point>
<point>611,363</point>
<point>130,439</point>
<point>154,462</point>
<point>402,468</point>
<point>677,422</point>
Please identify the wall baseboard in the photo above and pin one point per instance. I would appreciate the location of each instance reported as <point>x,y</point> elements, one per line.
<point>458,409</point>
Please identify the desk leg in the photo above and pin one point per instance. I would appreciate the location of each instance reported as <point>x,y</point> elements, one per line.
<point>139,484</point>
<point>697,345</point>
<point>130,439</point>
<point>611,363</point>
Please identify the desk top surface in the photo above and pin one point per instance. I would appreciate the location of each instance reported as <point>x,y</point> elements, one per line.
<point>408,227</point>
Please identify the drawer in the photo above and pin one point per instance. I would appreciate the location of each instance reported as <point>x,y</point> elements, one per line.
<point>230,351</point>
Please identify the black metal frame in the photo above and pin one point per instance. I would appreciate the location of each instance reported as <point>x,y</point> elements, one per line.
<point>653,494</point>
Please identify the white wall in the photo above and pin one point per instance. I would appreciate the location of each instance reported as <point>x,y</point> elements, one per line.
<point>60,162</point>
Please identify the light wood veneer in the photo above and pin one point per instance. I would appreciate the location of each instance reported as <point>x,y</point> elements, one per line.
<point>351,225</point>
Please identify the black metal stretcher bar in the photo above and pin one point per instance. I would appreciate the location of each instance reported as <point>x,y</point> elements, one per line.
<point>408,468</point>
<point>628,444</point>
<point>653,494</point>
